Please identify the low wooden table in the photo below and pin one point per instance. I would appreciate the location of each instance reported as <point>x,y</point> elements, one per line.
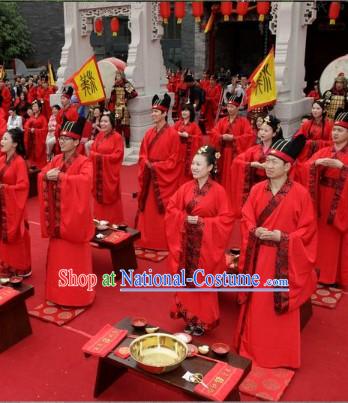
<point>111,367</point>
<point>122,253</point>
<point>14,319</point>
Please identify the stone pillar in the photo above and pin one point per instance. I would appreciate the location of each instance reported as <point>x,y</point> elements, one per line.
<point>76,50</point>
<point>291,33</point>
<point>200,51</point>
<point>145,67</point>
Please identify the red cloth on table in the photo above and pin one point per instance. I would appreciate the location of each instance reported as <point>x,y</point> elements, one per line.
<point>116,237</point>
<point>107,156</point>
<point>7,293</point>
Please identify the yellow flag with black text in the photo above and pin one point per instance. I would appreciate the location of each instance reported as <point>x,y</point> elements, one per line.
<point>262,90</point>
<point>88,84</point>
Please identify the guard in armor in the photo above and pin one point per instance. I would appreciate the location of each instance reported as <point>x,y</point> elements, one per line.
<point>122,91</point>
<point>337,97</point>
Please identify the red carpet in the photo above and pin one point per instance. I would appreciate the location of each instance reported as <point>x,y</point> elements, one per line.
<point>49,365</point>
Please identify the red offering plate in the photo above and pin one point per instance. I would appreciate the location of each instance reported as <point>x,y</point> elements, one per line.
<point>139,323</point>
<point>220,348</point>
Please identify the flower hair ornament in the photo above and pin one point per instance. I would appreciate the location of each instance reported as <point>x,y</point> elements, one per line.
<point>202,150</point>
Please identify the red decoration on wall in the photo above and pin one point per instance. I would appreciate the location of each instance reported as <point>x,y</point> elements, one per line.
<point>226,9</point>
<point>179,11</point>
<point>334,11</point>
<point>242,9</point>
<point>263,8</point>
<point>98,26</point>
<point>165,11</point>
<point>114,26</point>
<point>197,10</point>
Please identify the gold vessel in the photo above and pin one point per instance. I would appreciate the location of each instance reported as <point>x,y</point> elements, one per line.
<point>158,352</point>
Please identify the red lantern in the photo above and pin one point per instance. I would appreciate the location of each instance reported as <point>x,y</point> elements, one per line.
<point>263,8</point>
<point>197,10</point>
<point>334,11</point>
<point>226,9</point>
<point>179,11</point>
<point>98,26</point>
<point>242,9</point>
<point>114,26</point>
<point>165,11</point>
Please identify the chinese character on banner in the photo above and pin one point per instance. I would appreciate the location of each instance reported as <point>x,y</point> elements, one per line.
<point>88,84</point>
<point>262,90</point>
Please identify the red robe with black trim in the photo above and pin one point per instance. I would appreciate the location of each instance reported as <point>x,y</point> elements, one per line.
<point>244,176</point>
<point>198,246</point>
<point>159,176</point>
<point>268,329</point>
<point>14,228</point>
<point>107,156</point>
<point>32,93</point>
<point>243,139</point>
<point>188,146</point>
<point>66,219</point>
<point>329,190</point>
<point>35,143</point>
<point>212,98</point>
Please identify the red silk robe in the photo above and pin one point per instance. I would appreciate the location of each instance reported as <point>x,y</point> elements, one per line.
<point>14,228</point>
<point>268,331</point>
<point>66,219</point>
<point>244,177</point>
<point>198,246</point>
<point>329,190</point>
<point>32,93</point>
<point>6,100</point>
<point>161,150</point>
<point>43,94</point>
<point>35,143</point>
<point>107,156</point>
<point>212,98</point>
<point>243,139</point>
<point>188,146</point>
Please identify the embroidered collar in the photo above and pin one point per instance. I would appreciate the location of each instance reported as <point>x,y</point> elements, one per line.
<point>283,190</point>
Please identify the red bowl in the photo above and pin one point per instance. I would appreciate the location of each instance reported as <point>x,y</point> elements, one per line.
<point>139,323</point>
<point>220,348</point>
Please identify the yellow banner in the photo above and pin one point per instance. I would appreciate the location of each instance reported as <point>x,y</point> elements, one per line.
<point>88,84</point>
<point>51,80</point>
<point>262,90</point>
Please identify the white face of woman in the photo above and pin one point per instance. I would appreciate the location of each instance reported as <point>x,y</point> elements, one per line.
<point>265,132</point>
<point>35,108</point>
<point>316,111</point>
<point>200,168</point>
<point>105,124</point>
<point>185,114</point>
<point>96,113</point>
<point>7,144</point>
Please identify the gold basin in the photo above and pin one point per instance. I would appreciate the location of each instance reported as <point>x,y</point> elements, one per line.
<point>158,352</point>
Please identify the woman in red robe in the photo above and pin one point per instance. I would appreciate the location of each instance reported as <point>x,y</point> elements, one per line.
<point>14,189</point>
<point>326,176</point>
<point>212,98</point>
<point>65,187</point>
<point>232,135</point>
<point>248,168</point>
<point>159,174</point>
<point>279,243</point>
<point>190,140</point>
<point>198,226</point>
<point>35,133</point>
<point>107,156</point>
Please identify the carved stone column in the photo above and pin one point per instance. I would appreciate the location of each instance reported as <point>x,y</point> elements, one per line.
<point>289,23</point>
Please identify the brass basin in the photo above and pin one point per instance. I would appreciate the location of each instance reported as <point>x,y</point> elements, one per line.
<point>158,352</point>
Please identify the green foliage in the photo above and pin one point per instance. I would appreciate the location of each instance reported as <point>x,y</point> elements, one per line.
<point>14,34</point>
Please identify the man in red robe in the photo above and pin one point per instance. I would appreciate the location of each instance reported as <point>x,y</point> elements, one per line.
<point>159,174</point>
<point>232,135</point>
<point>32,90</point>
<point>279,242</point>
<point>65,187</point>
<point>5,97</point>
<point>326,175</point>
<point>212,99</point>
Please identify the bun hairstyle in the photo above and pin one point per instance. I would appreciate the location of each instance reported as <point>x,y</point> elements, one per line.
<point>18,137</point>
<point>211,156</point>
<point>274,123</point>
<point>111,117</point>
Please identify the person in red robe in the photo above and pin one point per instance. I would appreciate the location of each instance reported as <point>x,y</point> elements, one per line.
<point>159,175</point>
<point>326,176</point>
<point>107,155</point>
<point>14,188</point>
<point>232,135</point>
<point>212,99</point>
<point>43,94</point>
<point>5,97</point>
<point>317,130</point>
<point>248,168</point>
<point>32,90</point>
<point>279,242</point>
<point>68,112</point>
<point>314,93</point>
<point>35,133</point>
<point>198,226</point>
<point>65,186</point>
<point>191,140</point>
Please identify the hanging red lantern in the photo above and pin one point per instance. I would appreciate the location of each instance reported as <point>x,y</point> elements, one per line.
<point>114,26</point>
<point>226,9</point>
<point>334,11</point>
<point>242,9</point>
<point>98,26</point>
<point>263,8</point>
<point>197,10</point>
<point>165,11</point>
<point>179,11</point>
